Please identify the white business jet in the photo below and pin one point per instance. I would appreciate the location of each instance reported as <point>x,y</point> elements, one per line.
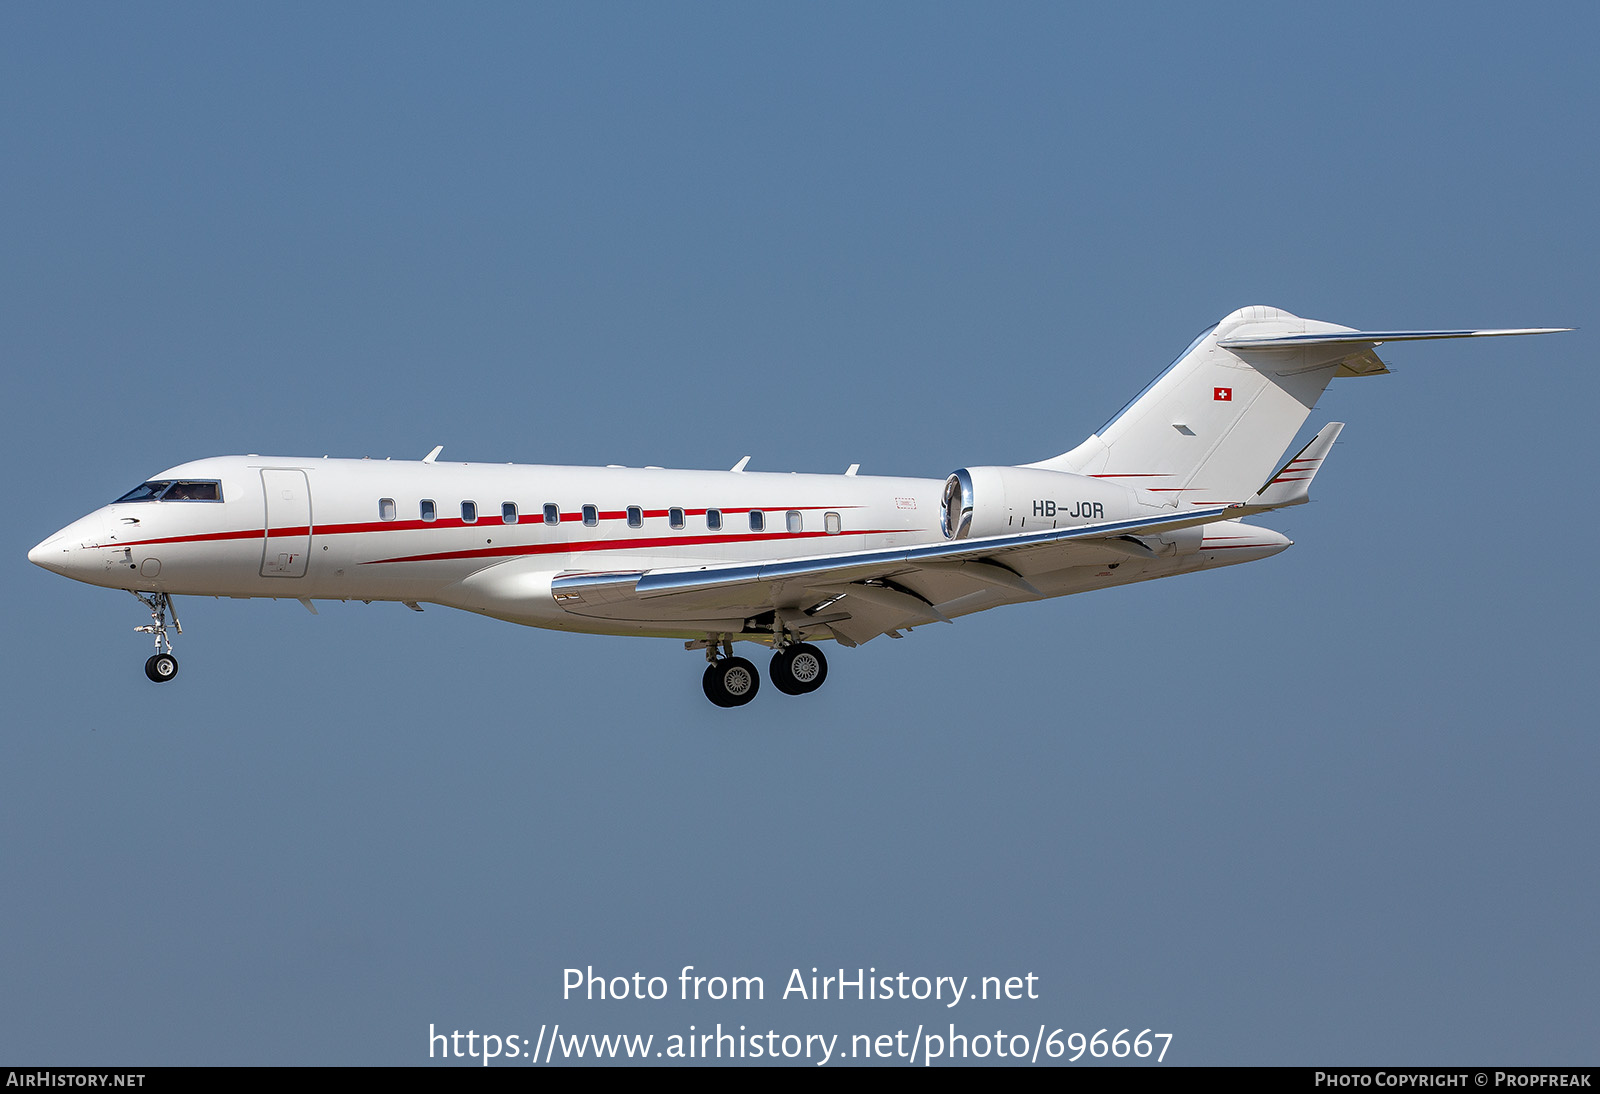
<point>717,557</point>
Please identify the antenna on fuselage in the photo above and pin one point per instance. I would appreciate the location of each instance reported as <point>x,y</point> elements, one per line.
<point>741,465</point>
<point>431,456</point>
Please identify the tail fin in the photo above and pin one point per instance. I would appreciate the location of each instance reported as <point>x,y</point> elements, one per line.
<point>1210,428</point>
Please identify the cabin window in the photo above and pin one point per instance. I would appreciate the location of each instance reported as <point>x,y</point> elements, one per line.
<point>714,519</point>
<point>508,512</point>
<point>830,523</point>
<point>635,517</point>
<point>795,521</point>
<point>758,520</point>
<point>591,516</point>
<point>552,513</point>
<point>429,510</point>
<point>675,517</point>
<point>386,509</point>
<point>469,512</point>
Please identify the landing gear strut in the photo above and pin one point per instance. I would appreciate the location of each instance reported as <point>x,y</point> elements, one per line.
<point>161,666</point>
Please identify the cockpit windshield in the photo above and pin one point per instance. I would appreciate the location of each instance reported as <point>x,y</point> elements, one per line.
<point>193,491</point>
<point>169,490</point>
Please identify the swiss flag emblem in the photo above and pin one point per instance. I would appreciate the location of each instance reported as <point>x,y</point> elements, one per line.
<point>1222,394</point>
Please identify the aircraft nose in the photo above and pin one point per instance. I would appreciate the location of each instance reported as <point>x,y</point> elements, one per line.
<point>52,554</point>
<point>64,554</point>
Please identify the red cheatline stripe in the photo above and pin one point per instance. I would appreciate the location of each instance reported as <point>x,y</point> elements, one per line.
<point>1133,475</point>
<point>1233,546</point>
<point>513,549</point>
<point>248,533</point>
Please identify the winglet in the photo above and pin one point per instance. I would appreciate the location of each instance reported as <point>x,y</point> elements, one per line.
<point>1291,484</point>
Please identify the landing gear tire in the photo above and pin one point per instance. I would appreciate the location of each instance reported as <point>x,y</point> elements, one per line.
<point>731,682</point>
<point>161,667</point>
<point>798,669</point>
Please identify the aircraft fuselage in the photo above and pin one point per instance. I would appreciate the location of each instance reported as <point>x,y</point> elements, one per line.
<point>342,529</point>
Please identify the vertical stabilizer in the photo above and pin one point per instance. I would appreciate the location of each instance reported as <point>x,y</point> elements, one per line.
<point>1211,428</point>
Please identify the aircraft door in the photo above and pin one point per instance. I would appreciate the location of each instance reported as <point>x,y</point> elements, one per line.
<point>287,543</point>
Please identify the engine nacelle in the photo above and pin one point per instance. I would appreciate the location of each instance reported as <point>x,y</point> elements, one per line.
<point>997,501</point>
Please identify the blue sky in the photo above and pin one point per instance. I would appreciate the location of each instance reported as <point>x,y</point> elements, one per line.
<point>1333,807</point>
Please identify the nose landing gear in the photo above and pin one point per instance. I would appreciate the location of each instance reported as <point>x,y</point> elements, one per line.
<point>161,666</point>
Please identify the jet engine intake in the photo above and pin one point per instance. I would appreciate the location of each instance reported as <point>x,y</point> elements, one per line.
<point>994,501</point>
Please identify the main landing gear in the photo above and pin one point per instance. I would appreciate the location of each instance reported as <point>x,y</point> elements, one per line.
<point>729,681</point>
<point>798,669</point>
<point>161,666</point>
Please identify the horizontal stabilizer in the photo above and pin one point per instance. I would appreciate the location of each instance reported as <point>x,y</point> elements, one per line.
<point>1371,337</point>
<point>1291,484</point>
